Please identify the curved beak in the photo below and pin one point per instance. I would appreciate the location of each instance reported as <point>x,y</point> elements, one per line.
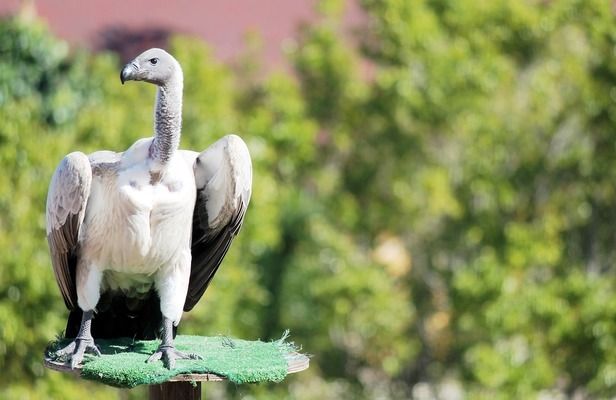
<point>128,73</point>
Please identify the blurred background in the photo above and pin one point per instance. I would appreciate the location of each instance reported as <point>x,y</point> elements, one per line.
<point>433,213</point>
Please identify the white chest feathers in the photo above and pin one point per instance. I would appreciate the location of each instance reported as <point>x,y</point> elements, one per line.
<point>139,216</point>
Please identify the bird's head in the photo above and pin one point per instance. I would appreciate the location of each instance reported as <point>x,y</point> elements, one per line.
<point>153,66</point>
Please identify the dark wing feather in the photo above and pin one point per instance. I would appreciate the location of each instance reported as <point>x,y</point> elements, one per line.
<point>208,250</point>
<point>223,175</point>
<point>66,204</point>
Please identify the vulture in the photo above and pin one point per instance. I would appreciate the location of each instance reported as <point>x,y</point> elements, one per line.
<point>136,237</point>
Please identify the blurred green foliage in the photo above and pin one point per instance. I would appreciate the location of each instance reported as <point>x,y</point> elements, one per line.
<point>432,213</point>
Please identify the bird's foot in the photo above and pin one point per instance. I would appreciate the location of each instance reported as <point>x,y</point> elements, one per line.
<point>168,353</point>
<point>76,350</point>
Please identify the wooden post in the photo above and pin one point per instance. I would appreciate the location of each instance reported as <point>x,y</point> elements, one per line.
<point>175,391</point>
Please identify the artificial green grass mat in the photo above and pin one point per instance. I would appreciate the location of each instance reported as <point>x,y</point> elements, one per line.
<point>123,361</point>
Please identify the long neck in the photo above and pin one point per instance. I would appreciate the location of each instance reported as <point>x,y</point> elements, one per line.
<point>167,121</point>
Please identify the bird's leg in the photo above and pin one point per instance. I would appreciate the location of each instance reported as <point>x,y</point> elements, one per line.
<point>167,350</point>
<point>82,343</point>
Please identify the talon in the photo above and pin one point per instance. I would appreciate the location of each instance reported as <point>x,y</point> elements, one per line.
<point>170,354</point>
<point>155,357</point>
<point>65,351</point>
<point>76,350</point>
<point>169,362</point>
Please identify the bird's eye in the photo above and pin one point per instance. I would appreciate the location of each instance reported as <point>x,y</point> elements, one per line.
<point>153,61</point>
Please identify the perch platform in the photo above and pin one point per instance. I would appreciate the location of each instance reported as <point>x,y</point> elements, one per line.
<point>123,365</point>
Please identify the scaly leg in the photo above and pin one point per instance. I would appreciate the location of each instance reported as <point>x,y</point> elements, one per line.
<point>82,343</point>
<point>167,350</point>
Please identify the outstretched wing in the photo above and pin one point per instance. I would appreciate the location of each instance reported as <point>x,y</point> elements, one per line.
<point>66,206</point>
<point>223,175</point>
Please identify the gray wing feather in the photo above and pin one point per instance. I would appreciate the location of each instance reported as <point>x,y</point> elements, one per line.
<point>223,175</point>
<point>66,205</point>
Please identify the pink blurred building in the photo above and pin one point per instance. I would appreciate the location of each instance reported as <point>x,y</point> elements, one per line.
<point>128,26</point>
